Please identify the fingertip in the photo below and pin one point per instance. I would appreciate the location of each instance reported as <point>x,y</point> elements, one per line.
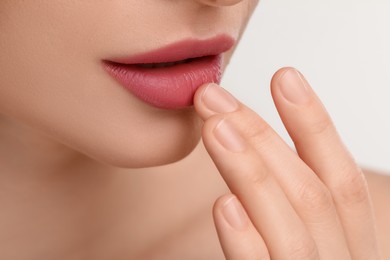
<point>278,75</point>
<point>229,208</point>
<point>199,93</point>
<point>238,237</point>
<point>199,105</point>
<point>207,132</point>
<point>221,201</point>
<point>211,99</point>
<point>289,85</point>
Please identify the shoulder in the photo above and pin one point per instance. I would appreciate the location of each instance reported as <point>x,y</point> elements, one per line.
<point>379,188</point>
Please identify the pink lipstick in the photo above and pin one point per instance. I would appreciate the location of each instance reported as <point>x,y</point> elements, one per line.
<point>168,77</point>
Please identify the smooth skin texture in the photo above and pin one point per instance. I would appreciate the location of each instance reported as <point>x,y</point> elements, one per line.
<point>52,78</point>
<point>313,204</point>
<point>87,171</point>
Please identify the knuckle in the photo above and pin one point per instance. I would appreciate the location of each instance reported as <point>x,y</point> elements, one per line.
<point>321,126</point>
<point>253,124</point>
<point>299,248</point>
<point>259,133</point>
<point>315,197</point>
<point>253,127</point>
<point>255,177</point>
<point>258,179</point>
<point>353,188</point>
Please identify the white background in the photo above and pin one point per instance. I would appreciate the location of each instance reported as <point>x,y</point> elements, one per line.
<point>343,49</point>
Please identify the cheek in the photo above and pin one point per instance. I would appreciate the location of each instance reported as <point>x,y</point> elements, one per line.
<point>80,106</point>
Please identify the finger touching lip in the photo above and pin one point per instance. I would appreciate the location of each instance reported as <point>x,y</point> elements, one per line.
<point>169,77</point>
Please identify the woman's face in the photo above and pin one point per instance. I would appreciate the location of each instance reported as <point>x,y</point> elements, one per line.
<point>52,78</point>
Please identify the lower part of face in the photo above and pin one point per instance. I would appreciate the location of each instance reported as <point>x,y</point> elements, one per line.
<point>52,79</point>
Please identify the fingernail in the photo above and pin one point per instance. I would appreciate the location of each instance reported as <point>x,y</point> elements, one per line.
<point>234,213</point>
<point>293,87</point>
<point>218,100</point>
<point>229,137</point>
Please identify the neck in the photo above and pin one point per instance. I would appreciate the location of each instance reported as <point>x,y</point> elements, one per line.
<point>55,200</point>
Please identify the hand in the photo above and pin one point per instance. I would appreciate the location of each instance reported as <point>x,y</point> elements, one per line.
<point>309,204</point>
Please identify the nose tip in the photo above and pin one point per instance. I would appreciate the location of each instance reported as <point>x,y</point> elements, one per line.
<point>220,2</point>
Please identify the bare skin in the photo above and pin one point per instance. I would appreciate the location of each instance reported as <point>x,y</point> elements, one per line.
<point>378,184</point>
<point>78,179</point>
<point>96,220</point>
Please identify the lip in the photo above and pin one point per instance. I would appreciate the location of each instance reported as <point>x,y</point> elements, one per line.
<point>171,87</point>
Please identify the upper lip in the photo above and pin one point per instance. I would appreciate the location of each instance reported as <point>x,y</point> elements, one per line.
<point>182,50</point>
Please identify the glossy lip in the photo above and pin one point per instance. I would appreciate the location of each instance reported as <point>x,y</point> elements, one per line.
<point>172,87</point>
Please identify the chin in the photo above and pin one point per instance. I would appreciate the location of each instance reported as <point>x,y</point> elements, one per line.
<point>157,156</point>
<point>153,145</point>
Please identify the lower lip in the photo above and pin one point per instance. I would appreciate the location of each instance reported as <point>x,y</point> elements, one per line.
<point>168,87</point>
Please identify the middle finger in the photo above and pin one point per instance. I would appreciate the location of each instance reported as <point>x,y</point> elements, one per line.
<point>271,213</point>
